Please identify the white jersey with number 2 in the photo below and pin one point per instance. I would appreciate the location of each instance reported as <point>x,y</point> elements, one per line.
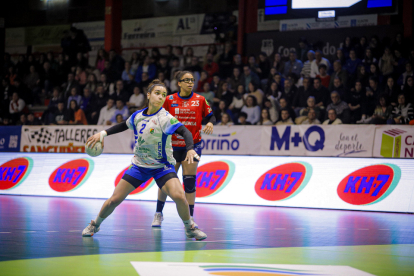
<point>153,132</point>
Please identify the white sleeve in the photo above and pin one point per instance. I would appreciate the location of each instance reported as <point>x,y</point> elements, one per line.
<point>168,123</point>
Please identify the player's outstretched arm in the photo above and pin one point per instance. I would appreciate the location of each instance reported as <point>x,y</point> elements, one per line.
<point>189,144</point>
<point>99,137</point>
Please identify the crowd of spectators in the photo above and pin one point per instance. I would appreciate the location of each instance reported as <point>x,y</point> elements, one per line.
<point>368,82</point>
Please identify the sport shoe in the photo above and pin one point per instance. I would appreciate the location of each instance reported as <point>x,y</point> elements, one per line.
<point>195,233</point>
<point>158,218</point>
<point>195,224</point>
<point>90,230</point>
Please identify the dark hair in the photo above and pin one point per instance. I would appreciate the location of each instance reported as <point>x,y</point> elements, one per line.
<point>182,73</point>
<point>333,110</point>
<point>317,78</point>
<point>322,66</point>
<point>374,78</point>
<point>155,83</point>
<point>254,99</point>
<point>243,114</point>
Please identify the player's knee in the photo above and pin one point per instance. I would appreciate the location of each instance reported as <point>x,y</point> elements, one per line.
<point>115,201</point>
<point>178,195</point>
<point>189,183</point>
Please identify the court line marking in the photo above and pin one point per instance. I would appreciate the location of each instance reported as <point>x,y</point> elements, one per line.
<point>299,228</point>
<point>260,228</point>
<point>52,231</point>
<point>29,231</point>
<point>384,229</point>
<point>362,229</point>
<point>217,228</point>
<point>119,230</point>
<point>342,228</point>
<point>138,229</point>
<point>238,228</point>
<point>204,241</point>
<point>74,230</point>
<point>5,232</point>
<point>280,228</point>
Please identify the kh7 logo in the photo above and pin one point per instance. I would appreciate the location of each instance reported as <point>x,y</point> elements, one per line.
<point>213,177</point>
<point>141,188</point>
<point>370,184</point>
<point>284,181</point>
<point>14,172</point>
<point>71,175</point>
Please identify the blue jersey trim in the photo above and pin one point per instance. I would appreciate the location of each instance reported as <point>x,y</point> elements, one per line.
<point>171,130</point>
<point>183,148</point>
<point>131,122</point>
<point>185,98</point>
<point>209,114</point>
<point>164,154</point>
<point>146,115</point>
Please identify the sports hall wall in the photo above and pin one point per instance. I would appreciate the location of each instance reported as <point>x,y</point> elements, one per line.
<point>366,168</point>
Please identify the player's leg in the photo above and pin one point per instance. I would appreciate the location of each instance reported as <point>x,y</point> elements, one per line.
<point>189,181</point>
<point>121,191</point>
<point>162,197</point>
<point>172,187</point>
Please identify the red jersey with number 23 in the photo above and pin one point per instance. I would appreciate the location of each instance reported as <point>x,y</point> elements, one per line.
<point>190,112</point>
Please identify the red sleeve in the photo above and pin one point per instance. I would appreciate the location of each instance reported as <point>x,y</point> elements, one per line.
<point>206,108</point>
<point>167,104</point>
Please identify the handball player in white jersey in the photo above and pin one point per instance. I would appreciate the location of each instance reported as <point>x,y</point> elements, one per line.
<point>153,157</point>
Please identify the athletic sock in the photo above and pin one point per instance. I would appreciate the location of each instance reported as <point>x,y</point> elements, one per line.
<point>98,221</point>
<point>187,223</point>
<point>160,206</point>
<point>191,210</point>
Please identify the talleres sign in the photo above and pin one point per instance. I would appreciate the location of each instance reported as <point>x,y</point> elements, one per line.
<point>14,172</point>
<point>370,184</point>
<point>71,175</point>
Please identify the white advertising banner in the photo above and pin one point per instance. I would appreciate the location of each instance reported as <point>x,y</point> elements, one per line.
<point>394,141</point>
<point>71,139</point>
<point>317,140</point>
<point>341,22</point>
<point>234,140</point>
<point>312,182</point>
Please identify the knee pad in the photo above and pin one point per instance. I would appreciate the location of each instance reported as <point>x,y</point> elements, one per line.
<point>189,183</point>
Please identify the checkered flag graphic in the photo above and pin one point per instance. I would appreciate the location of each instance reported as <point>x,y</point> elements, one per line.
<point>41,136</point>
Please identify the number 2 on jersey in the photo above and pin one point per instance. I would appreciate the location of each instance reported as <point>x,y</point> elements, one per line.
<point>143,126</point>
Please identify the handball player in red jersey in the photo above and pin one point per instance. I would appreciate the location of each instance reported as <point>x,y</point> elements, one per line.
<point>190,109</point>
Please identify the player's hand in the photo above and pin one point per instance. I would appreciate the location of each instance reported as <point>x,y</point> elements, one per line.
<point>208,129</point>
<point>90,143</point>
<point>191,154</point>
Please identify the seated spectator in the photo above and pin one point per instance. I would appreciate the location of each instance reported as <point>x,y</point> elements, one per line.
<point>222,108</point>
<point>317,62</point>
<point>338,73</point>
<point>361,75</point>
<point>264,65</point>
<point>67,86</point>
<point>341,107</point>
<point>325,78</point>
<point>137,100</point>
<point>92,83</point>
<point>23,91</point>
<point>236,79</point>
<point>32,79</point>
<point>128,74</point>
<point>207,94</point>
<point>254,67</point>
<point>74,96</point>
<point>11,75</point>
<point>60,116</point>
<point>119,119</point>
<point>408,72</point>
<point>274,91</point>
<point>250,76</point>
<point>352,63</point>
<point>16,107</point>
<point>203,80</point>
<point>278,63</point>
<point>340,88</point>
<point>332,118</point>
<point>284,118</point>
<point>161,77</point>
<point>223,94</point>
<point>100,59</point>
<point>238,100</point>
<point>107,113</point>
<point>355,99</point>
<point>86,103</point>
<point>283,104</point>
<point>290,92</point>
<point>225,60</point>
<point>237,62</point>
<point>174,82</point>
<point>225,120</point>
<point>215,84</point>
<point>76,115</point>
<point>403,113</point>
<point>408,90</point>
<point>306,70</point>
<point>117,64</point>
<point>391,91</point>
<point>320,93</point>
<point>304,111</point>
<point>210,67</point>
<point>22,120</point>
<point>120,92</point>
<point>368,59</point>
<point>252,110</point>
<point>381,113</point>
<point>386,62</point>
<point>303,94</point>
<point>311,120</point>
<point>256,92</point>
<point>265,118</point>
<point>81,76</point>
<point>340,56</point>
<point>243,119</point>
<point>146,67</point>
<point>122,109</point>
<point>163,67</point>
<point>360,47</point>
<point>6,122</point>
<point>32,120</point>
<point>293,65</point>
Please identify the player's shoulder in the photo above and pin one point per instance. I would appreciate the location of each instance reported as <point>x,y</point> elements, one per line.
<point>198,97</point>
